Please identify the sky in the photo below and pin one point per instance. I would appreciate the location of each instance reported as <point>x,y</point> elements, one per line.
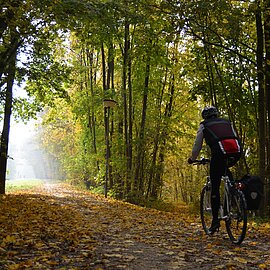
<point>27,159</point>
<point>21,142</point>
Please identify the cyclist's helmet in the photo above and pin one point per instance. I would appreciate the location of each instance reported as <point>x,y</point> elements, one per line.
<point>209,112</point>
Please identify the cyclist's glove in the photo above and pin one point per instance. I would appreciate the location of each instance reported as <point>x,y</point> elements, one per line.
<point>190,161</point>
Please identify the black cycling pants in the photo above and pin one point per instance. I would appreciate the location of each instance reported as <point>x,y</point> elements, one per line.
<point>217,170</point>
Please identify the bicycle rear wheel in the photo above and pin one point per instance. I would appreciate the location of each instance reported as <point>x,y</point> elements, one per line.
<point>205,208</point>
<point>236,224</point>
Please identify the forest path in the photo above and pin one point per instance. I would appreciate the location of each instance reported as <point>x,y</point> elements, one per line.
<point>59,227</point>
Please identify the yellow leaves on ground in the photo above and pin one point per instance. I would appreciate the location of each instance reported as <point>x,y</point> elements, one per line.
<point>42,232</point>
<point>59,227</point>
<point>264,265</point>
<point>241,260</point>
<point>10,239</point>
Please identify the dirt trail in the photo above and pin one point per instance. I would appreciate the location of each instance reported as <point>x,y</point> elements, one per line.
<point>59,227</point>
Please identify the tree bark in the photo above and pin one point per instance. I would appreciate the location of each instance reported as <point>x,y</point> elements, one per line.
<point>261,102</point>
<point>90,56</point>
<point>138,183</point>
<point>125,100</point>
<point>6,124</point>
<point>158,181</point>
<point>106,124</point>
<point>267,98</point>
<point>130,118</point>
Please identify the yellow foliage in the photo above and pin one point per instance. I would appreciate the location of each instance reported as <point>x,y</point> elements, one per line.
<point>59,227</point>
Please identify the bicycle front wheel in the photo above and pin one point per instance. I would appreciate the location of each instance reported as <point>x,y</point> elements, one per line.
<point>236,223</point>
<point>205,208</point>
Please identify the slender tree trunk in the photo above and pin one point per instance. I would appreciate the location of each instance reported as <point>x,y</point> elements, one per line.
<point>160,124</point>
<point>110,85</point>
<point>139,183</point>
<point>103,68</point>
<point>228,104</point>
<point>6,124</point>
<point>125,100</point>
<point>157,184</point>
<point>106,124</point>
<point>109,129</point>
<point>84,88</point>
<point>267,95</point>
<point>107,155</point>
<point>91,104</point>
<point>130,114</point>
<point>110,75</point>
<point>210,76</point>
<point>261,102</point>
<point>90,56</point>
<point>153,169</point>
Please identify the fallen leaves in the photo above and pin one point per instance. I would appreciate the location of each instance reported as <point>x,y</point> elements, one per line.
<point>41,232</point>
<point>59,227</point>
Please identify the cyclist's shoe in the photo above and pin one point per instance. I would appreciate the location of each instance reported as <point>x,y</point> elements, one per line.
<point>214,227</point>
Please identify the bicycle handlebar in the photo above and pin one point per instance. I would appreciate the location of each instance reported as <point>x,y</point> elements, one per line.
<point>202,161</point>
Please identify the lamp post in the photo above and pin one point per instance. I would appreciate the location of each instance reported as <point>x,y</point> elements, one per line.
<point>108,103</point>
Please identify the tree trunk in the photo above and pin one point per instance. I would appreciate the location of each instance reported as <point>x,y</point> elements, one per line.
<point>107,83</point>
<point>110,85</point>
<point>261,102</point>
<point>267,97</point>
<point>110,74</point>
<point>157,184</point>
<point>130,119</point>
<point>210,76</point>
<point>106,124</point>
<point>6,124</point>
<point>139,183</point>
<point>90,56</point>
<point>125,100</point>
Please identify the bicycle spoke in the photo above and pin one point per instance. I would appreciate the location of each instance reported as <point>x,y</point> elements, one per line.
<point>237,222</point>
<point>205,209</point>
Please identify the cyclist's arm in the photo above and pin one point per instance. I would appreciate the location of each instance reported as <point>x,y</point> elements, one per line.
<point>197,146</point>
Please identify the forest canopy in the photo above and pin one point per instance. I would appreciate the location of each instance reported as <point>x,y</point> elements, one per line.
<point>162,62</point>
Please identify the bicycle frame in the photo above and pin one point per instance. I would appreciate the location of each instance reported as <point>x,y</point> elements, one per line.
<point>225,205</point>
<point>232,208</point>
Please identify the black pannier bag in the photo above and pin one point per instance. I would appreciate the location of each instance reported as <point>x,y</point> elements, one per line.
<point>253,191</point>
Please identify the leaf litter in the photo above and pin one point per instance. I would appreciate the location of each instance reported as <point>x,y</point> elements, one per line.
<point>59,227</point>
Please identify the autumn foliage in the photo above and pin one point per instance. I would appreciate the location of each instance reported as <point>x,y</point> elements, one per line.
<point>59,227</point>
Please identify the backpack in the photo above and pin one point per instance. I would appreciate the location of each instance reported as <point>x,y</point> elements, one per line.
<point>221,137</point>
<point>229,146</point>
<point>253,191</point>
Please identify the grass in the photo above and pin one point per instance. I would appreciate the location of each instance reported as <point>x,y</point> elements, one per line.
<point>15,185</point>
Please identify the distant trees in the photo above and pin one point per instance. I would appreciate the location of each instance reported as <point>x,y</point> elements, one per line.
<point>132,57</point>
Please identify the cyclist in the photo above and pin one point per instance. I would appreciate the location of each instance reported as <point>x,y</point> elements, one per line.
<point>225,149</point>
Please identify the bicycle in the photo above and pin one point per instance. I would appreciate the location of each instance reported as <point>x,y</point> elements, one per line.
<point>233,209</point>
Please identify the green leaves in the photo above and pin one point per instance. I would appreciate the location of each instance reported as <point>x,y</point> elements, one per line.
<point>25,109</point>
